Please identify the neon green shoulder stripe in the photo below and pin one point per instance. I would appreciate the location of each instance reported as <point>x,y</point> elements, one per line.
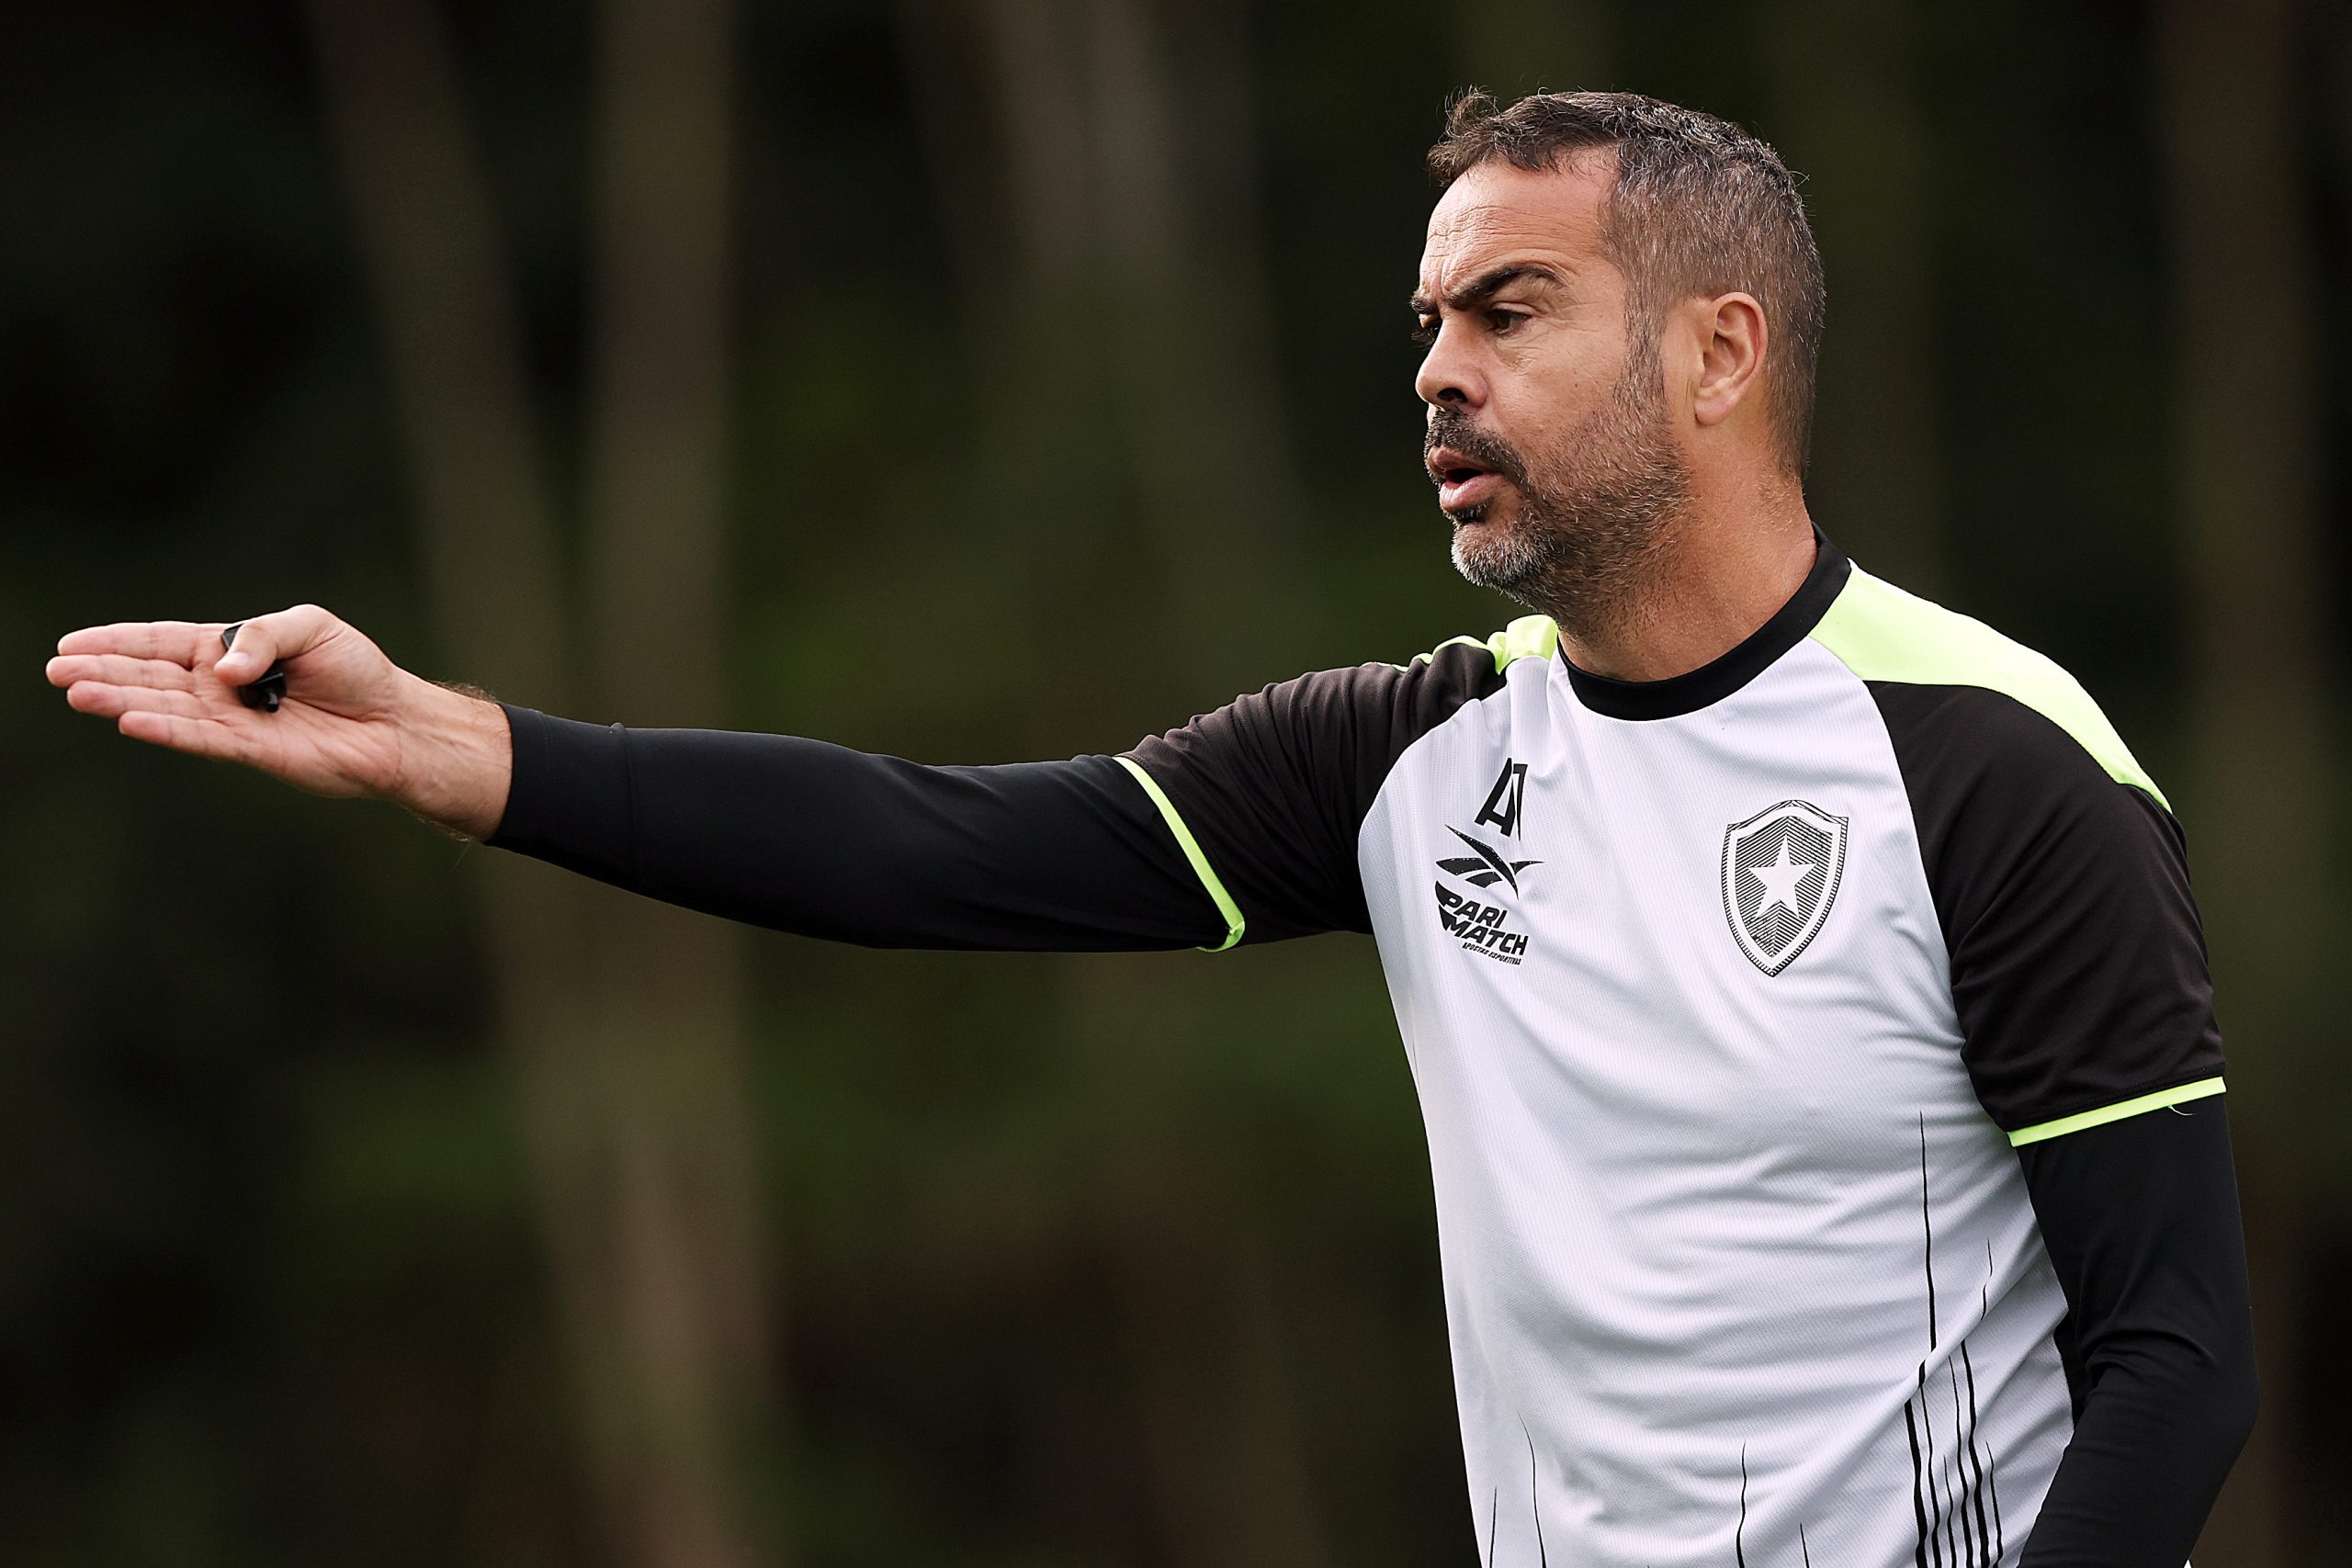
<point>1529,637</point>
<point>2163,1099</point>
<point>1880,633</point>
<point>1192,847</point>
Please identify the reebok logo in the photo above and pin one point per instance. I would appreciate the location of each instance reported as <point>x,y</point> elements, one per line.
<point>1487,867</point>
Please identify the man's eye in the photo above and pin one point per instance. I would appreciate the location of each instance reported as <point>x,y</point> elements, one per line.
<point>1501,322</point>
<point>1425,333</point>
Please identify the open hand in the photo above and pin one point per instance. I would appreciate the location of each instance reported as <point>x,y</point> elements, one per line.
<point>352,723</point>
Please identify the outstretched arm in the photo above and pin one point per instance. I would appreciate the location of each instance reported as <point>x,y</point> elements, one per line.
<point>825,841</point>
<point>778,831</point>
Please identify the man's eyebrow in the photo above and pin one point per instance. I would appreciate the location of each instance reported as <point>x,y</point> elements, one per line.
<point>1484,286</point>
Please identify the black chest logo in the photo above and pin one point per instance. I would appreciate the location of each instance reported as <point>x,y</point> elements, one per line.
<point>1482,923</point>
<point>1781,873</point>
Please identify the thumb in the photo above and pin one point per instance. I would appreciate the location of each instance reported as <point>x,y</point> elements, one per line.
<point>256,644</point>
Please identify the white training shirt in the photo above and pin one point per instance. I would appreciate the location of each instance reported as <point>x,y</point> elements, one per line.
<point>1726,999</point>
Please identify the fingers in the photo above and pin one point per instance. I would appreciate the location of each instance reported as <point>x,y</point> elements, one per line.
<point>197,736</point>
<point>264,639</point>
<point>181,642</point>
<point>192,645</point>
<point>171,719</point>
<point>107,701</point>
<point>119,669</point>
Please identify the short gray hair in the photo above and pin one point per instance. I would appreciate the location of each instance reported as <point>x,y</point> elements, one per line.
<point>1700,208</point>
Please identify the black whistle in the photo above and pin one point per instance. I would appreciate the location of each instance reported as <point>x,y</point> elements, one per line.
<point>268,691</point>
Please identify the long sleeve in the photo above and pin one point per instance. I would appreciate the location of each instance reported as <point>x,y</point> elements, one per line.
<point>2140,1220</point>
<point>1237,827</point>
<point>824,841</point>
<point>2080,982</point>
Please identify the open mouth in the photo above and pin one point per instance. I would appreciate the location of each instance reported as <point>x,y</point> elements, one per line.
<point>1463,482</point>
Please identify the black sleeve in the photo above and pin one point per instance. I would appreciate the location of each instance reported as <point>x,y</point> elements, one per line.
<point>2140,1220</point>
<point>2078,968</point>
<point>2080,978</point>
<point>1274,786</point>
<point>824,841</point>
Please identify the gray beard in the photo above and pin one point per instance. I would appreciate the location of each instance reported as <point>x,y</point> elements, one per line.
<point>1588,533</point>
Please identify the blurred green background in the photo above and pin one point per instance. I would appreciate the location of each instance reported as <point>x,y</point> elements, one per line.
<point>981,379</point>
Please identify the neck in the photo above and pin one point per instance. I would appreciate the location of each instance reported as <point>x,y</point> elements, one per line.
<point>1716,576</point>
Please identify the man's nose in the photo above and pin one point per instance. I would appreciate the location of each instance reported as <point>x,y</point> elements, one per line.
<point>1448,377</point>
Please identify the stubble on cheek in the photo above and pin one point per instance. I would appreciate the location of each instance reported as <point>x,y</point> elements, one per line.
<point>1585,523</point>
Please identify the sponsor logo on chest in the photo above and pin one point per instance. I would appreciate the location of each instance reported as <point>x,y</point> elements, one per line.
<point>1478,911</point>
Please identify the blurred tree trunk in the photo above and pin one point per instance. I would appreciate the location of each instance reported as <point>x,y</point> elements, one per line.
<point>1844,113</point>
<point>1219,1429</point>
<point>1224,1464</point>
<point>622,1027</point>
<point>1122,297</point>
<point>689,1251</point>
<point>1114,270</point>
<point>1041,370</point>
<point>1199,393</point>
<point>2243,300</point>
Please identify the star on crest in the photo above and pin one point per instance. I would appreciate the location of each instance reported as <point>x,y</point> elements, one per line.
<point>1780,880</point>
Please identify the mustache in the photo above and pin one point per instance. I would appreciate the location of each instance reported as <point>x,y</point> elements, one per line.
<point>1450,427</point>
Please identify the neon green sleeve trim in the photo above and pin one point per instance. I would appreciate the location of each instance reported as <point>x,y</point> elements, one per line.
<point>2201,1090</point>
<point>1529,637</point>
<point>1431,656</point>
<point>1191,846</point>
<point>1880,633</point>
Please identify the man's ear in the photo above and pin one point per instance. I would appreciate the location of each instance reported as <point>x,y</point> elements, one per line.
<point>1731,339</point>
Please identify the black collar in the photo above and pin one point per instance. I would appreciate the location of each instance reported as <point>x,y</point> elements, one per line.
<point>1715,681</point>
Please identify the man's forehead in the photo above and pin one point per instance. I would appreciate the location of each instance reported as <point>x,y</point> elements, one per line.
<point>1497,212</point>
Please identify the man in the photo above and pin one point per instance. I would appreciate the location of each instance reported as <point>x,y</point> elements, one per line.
<point>1801,981</point>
